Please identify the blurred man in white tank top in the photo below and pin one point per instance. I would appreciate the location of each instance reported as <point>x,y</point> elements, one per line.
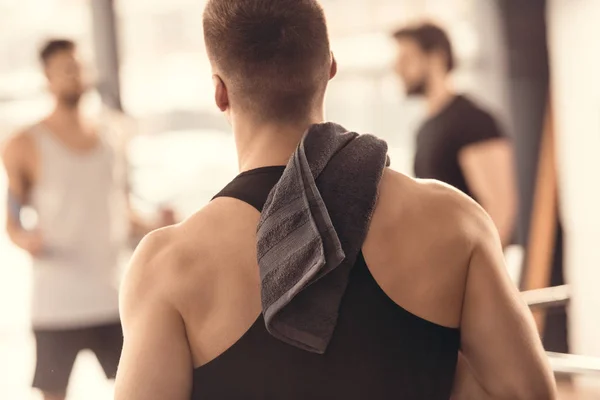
<point>67,171</point>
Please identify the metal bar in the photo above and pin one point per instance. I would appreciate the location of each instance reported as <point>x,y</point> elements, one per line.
<point>547,297</point>
<point>570,364</point>
<point>567,364</point>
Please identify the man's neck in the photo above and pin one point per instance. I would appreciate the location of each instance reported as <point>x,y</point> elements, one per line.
<point>439,95</point>
<point>268,144</point>
<point>66,116</point>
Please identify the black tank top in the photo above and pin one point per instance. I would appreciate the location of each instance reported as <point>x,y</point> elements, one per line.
<point>378,350</point>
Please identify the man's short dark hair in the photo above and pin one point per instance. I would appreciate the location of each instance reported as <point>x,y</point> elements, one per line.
<point>54,46</point>
<point>274,53</point>
<point>430,38</point>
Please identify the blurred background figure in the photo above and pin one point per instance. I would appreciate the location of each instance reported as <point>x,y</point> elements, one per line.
<point>67,171</point>
<point>460,143</point>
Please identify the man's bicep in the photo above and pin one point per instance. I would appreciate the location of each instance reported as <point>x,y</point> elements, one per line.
<point>14,161</point>
<point>490,173</point>
<point>499,339</point>
<point>489,170</point>
<point>156,363</point>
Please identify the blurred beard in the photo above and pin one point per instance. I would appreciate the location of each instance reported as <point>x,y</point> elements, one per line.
<point>419,89</point>
<point>71,100</point>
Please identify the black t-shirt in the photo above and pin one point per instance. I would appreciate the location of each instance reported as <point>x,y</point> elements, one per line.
<point>441,139</point>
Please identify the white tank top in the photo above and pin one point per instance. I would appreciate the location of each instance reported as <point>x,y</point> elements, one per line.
<point>80,204</point>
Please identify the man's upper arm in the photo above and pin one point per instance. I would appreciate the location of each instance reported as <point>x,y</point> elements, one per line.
<point>489,169</point>
<point>15,154</point>
<point>156,363</point>
<point>490,172</point>
<point>499,338</point>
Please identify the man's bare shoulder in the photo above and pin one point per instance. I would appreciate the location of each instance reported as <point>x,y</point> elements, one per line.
<point>431,207</point>
<point>419,245</point>
<point>186,259</point>
<point>18,145</point>
<point>460,214</point>
<point>19,157</point>
<point>175,249</point>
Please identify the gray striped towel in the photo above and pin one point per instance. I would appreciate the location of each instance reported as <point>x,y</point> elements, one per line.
<point>312,229</point>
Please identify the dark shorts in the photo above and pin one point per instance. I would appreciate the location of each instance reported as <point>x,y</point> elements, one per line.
<point>57,350</point>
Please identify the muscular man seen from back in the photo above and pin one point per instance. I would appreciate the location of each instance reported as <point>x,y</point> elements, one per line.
<point>430,287</point>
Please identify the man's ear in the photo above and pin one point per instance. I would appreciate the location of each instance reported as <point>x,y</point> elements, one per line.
<point>221,95</point>
<point>333,69</point>
<point>439,60</point>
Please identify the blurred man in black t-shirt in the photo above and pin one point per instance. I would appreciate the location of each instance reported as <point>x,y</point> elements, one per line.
<point>459,143</point>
